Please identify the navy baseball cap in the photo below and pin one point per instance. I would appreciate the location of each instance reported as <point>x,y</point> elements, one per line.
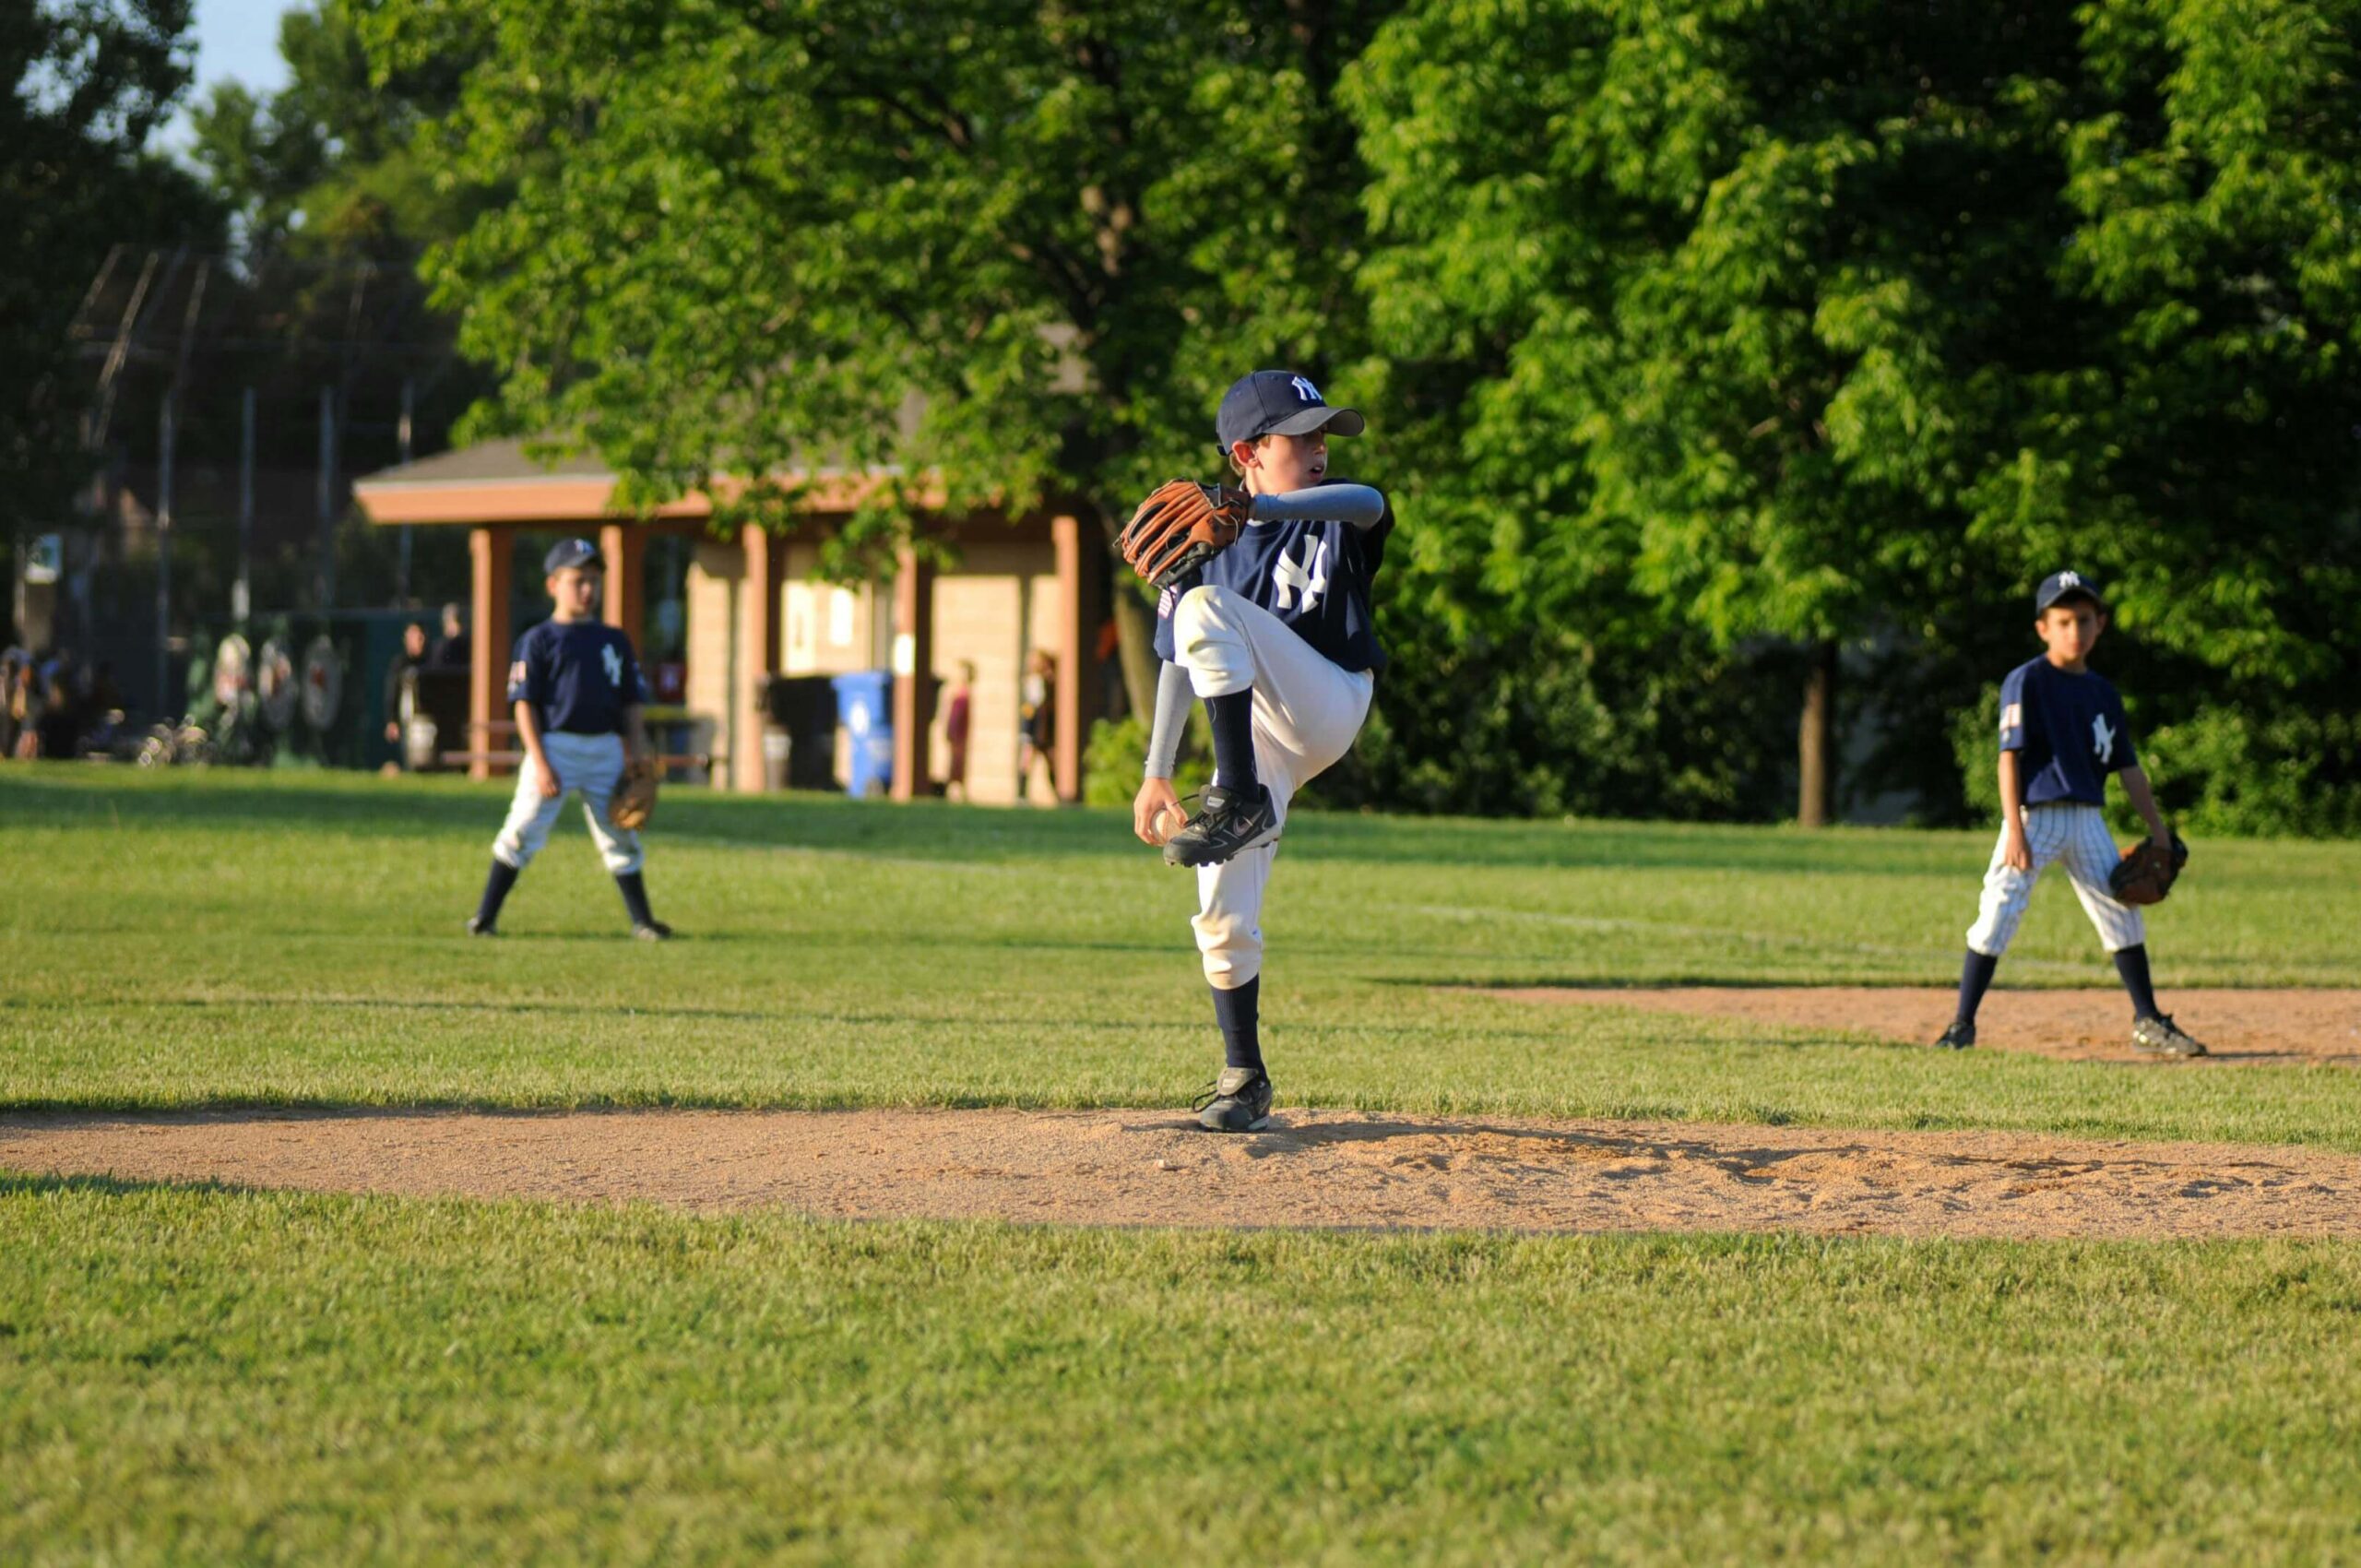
<point>2066,585</point>
<point>570,553</point>
<point>1279,402</point>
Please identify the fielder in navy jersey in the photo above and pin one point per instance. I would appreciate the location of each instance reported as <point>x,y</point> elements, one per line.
<point>2063,731</point>
<point>576,689</point>
<point>1275,635</point>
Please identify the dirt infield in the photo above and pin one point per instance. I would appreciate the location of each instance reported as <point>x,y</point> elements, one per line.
<point>2239,1027</point>
<point>1312,1169</point>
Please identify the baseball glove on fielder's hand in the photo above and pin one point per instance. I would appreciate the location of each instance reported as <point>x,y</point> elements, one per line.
<point>634,800</point>
<point>1183,525</point>
<point>2146,873</point>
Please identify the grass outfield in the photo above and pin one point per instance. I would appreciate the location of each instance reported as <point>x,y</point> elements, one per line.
<point>210,1377</point>
<point>193,1374</point>
<point>224,939</point>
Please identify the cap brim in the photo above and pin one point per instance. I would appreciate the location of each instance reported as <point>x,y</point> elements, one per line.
<point>1337,421</point>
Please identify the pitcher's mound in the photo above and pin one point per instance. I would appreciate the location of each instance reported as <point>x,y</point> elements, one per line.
<point>2246,1027</point>
<point>1312,1170</point>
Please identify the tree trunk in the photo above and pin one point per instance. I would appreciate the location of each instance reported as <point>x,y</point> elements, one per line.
<point>1135,636</point>
<point>1816,741</point>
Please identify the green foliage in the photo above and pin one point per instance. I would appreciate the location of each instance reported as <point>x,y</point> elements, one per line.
<point>1694,333</point>
<point>1111,764</point>
<point>328,164</point>
<point>1832,321</point>
<point>1006,251</point>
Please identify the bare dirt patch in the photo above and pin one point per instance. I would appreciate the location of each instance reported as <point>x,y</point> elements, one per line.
<point>2239,1027</point>
<point>1312,1169</point>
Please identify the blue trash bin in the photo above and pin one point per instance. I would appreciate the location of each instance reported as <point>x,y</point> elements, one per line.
<point>864,707</point>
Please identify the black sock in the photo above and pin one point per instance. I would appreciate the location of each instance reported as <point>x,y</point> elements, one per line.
<point>1974,977</point>
<point>496,889</point>
<point>1233,722</point>
<point>634,894</point>
<point>1237,1011</point>
<point>2132,963</point>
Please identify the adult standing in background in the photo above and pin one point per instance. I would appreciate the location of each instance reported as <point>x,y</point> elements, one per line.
<point>452,651</point>
<point>412,657</point>
<point>955,730</point>
<point>1037,730</point>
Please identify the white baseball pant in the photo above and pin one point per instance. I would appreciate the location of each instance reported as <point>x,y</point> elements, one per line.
<point>589,765</point>
<point>1307,714</point>
<point>2077,835</point>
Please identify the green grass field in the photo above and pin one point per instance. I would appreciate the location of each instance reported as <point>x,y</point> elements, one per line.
<point>200,1374</point>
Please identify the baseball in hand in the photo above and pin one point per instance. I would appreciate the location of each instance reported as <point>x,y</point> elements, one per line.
<point>1170,820</point>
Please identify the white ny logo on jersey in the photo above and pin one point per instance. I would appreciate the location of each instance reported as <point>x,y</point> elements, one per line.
<point>613,658</point>
<point>1310,578</point>
<point>2102,739</point>
<point>1305,390</point>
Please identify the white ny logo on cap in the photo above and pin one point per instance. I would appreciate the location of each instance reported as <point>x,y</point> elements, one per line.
<point>2069,579</point>
<point>1305,390</point>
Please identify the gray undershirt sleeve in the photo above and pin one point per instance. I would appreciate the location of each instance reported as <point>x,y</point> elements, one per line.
<point>1358,504</point>
<point>1173,696</point>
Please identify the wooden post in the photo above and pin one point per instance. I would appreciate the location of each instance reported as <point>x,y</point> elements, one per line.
<point>488,641</point>
<point>913,676</point>
<point>758,648</point>
<point>1077,632</point>
<point>624,549</point>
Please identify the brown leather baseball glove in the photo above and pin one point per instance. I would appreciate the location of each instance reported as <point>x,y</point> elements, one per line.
<point>2147,872</point>
<point>634,800</point>
<point>1184,523</point>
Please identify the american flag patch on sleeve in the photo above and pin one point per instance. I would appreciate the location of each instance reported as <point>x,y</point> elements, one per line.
<point>516,673</point>
<point>2012,716</point>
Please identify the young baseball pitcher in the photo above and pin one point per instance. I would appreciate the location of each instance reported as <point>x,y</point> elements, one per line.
<point>577,693</point>
<point>1264,614</point>
<point>2062,731</point>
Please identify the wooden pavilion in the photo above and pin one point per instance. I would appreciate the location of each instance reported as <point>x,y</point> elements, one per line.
<point>755,607</point>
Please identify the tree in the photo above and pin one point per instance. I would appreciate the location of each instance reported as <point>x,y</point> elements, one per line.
<point>1744,289</point>
<point>328,164</point>
<point>89,81</point>
<point>2196,439</point>
<point>1016,250</point>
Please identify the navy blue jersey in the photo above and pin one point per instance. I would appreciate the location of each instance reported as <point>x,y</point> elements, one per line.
<point>579,674</point>
<point>2068,732</point>
<point>1313,575</point>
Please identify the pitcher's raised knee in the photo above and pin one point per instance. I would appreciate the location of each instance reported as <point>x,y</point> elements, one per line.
<point>1209,642</point>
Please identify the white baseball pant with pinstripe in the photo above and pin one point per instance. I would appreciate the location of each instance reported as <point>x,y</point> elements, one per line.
<point>590,764</point>
<point>2075,834</point>
<point>1306,715</point>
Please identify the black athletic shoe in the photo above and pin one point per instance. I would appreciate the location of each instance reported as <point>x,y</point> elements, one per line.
<point>1238,1102</point>
<point>1959,1036</point>
<point>479,926</point>
<point>653,931</point>
<point>2160,1035</point>
<point>1229,826</point>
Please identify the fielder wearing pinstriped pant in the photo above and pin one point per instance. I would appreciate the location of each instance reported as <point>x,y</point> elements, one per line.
<point>2063,729</point>
<point>575,688</point>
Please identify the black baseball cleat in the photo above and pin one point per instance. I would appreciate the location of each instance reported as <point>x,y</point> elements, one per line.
<point>2159,1036</point>
<point>1238,1102</point>
<point>652,930</point>
<point>1230,825</point>
<point>479,926</point>
<point>1958,1037</point>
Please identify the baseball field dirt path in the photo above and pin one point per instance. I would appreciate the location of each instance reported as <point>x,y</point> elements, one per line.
<point>1312,1170</point>
<point>2243,1028</point>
